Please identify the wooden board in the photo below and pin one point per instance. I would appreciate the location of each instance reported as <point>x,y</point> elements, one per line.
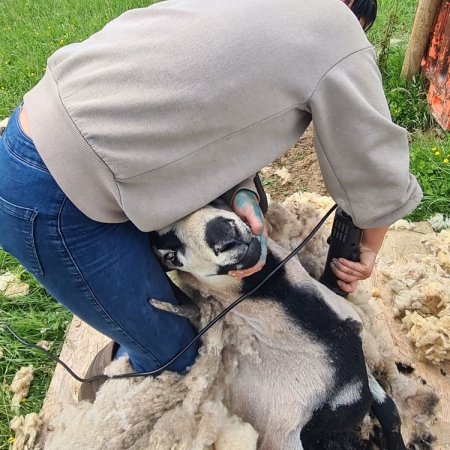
<point>82,343</point>
<point>398,247</point>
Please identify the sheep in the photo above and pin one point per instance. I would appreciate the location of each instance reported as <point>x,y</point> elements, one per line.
<point>417,402</point>
<point>305,375</point>
<point>194,411</point>
<point>167,412</point>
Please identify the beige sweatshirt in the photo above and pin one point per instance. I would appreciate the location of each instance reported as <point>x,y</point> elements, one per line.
<point>170,106</point>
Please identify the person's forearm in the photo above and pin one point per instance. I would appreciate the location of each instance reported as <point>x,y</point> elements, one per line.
<point>246,184</point>
<point>372,238</point>
<point>350,272</point>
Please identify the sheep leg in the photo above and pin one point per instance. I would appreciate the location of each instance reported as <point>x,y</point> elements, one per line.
<point>387,414</point>
<point>191,312</point>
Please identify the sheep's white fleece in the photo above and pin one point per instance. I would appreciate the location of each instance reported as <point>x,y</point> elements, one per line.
<point>289,224</point>
<point>174,412</point>
<point>420,288</point>
<point>162,413</point>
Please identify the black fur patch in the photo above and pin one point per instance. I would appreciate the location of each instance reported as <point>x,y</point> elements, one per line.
<point>340,338</point>
<point>421,442</point>
<point>221,234</point>
<point>308,308</point>
<point>404,368</point>
<point>429,404</point>
<point>167,241</point>
<point>387,414</point>
<point>219,203</point>
<point>377,437</point>
<point>340,441</point>
<point>250,258</point>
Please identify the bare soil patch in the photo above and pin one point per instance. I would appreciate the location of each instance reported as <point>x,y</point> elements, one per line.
<point>294,171</point>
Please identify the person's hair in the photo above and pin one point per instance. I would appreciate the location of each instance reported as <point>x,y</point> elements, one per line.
<point>365,10</point>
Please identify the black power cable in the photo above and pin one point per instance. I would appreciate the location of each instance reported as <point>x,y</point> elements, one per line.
<point>200,333</point>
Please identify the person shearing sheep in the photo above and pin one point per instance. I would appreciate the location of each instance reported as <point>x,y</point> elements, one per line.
<point>169,107</point>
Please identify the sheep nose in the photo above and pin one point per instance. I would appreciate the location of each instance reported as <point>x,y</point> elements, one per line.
<point>222,235</point>
<point>227,245</point>
<point>227,237</point>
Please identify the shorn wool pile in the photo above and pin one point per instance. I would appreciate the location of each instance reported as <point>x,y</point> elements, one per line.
<point>421,292</point>
<point>186,412</point>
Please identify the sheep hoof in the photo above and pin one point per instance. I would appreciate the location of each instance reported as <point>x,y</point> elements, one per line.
<point>188,311</point>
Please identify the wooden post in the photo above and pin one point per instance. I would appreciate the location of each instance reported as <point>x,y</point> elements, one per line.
<point>418,39</point>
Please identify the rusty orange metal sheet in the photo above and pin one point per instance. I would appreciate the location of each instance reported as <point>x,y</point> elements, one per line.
<point>435,65</point>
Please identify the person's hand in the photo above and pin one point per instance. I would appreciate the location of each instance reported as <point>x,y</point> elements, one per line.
<point>350,272</point>
<point>245,205</point>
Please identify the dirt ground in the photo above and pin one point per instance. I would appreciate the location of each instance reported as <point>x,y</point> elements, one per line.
<point>296,170</point>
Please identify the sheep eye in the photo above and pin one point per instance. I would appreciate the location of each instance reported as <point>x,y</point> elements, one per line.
<point>169,256</point>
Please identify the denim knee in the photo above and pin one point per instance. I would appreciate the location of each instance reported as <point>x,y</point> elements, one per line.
<point>103,273</point>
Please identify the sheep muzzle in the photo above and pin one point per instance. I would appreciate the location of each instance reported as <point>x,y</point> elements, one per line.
<point>249,259</point>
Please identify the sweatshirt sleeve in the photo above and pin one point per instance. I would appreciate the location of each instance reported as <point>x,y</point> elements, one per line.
<point>363,155</point>
<point>248,184</point>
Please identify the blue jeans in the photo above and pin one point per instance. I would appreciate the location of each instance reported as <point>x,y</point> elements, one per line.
<point>104,273</point>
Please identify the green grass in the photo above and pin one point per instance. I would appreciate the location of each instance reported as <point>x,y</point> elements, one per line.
<point>389,35</point>
<point>430,162</point>
<point>36,317</point>
<point>409,109</point>
<point>406,99</point>
<point>32,30</point>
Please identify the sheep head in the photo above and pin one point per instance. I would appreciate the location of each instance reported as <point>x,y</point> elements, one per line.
<point>207,243</point>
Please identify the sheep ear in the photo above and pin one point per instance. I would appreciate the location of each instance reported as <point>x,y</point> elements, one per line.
<point>190,311</point>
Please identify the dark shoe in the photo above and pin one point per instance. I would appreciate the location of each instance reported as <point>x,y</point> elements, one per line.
<point>104,357</point>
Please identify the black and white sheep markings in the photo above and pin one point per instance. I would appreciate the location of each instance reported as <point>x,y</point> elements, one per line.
<point>310,381</point>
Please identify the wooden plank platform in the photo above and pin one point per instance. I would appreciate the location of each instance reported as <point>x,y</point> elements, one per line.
<point>82,343</point>
<point>398,247</point>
